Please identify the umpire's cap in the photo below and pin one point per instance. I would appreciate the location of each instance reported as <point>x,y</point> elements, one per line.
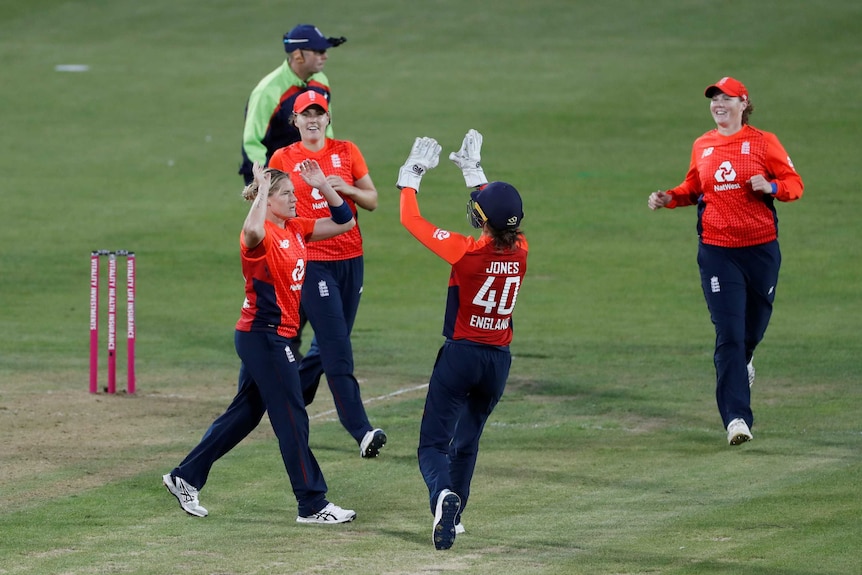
<point>500,205</point>
<point>308,37</point>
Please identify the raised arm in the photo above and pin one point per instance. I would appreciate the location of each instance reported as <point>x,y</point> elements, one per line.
<point>253,230</point>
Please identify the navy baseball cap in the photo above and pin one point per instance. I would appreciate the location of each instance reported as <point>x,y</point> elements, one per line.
<point>500,205</point>
<point>308,37</point>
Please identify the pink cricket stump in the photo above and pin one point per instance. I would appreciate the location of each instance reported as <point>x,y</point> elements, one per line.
<point>94,322</point>
<point>130,321</point>
<point>112,323</point>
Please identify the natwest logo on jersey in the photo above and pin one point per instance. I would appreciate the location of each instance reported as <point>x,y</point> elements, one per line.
<point>726,176</point>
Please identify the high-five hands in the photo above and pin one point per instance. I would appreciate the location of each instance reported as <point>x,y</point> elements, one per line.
<point>424,156</point>
<point>312,174</point>
<point>263,179</point>
<point>469,159</point>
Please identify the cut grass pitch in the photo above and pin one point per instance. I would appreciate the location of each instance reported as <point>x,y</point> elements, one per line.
<point>605,456</point>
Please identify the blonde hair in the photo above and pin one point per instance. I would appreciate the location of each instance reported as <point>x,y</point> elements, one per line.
<point>277,177</point>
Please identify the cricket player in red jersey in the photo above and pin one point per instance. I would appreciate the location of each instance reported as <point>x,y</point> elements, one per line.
<point>736,174</point>
<point>273,252</point>
<point>335,272</point>
<point>472,367</point>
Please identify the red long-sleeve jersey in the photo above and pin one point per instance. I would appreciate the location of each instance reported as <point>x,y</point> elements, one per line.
<point>337,158</point>
<point>274,271</point>
<point>731,214</point>
<point>483,283</point>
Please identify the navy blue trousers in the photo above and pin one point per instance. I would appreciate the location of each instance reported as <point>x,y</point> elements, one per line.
<point>467,382</point>
<point>739,287</point>
<point>330,299</point>
<point>268,382</point>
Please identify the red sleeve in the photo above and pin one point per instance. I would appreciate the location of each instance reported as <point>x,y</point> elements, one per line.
<point>360,167</point>
<point>780,171</point>
<point>450,246</point>
<point>687,193</point>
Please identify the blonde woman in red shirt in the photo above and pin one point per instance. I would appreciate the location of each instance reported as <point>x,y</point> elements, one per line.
<point>273,250</point>
<point>735,175</point>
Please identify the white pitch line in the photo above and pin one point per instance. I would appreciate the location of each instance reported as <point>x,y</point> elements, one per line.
<point>378,398</point>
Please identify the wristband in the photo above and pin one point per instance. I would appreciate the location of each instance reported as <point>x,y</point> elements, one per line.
<point>341,214</point>
<point>774,188</point>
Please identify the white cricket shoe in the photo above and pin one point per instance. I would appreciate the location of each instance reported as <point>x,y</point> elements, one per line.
<point>329,515</point>
<point>443,534</point>
<point>738,432</point>
<point>372,443</point>
<point>185,494</point>
<point>459,529</point>
<point>750,368</point>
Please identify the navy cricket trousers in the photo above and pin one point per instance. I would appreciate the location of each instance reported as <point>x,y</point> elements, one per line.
<point>330,298</point>
<point>268,382</point>
<point>739,287</point>
<point>467,382</point>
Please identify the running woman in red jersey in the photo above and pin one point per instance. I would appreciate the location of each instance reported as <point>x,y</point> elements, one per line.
<point>472,367</point>
<point>736,174</point>
<point>273,253</point>
<point>335,273</point>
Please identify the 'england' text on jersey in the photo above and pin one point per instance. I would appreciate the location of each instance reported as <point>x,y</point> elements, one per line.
<point>491,323</point>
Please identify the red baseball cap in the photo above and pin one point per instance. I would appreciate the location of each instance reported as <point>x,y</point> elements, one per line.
<point>729,86</point>
<point>310,98</point>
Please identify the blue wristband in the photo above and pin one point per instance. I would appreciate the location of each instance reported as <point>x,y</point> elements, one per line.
<point>341,214</point>
<point>774,188</point>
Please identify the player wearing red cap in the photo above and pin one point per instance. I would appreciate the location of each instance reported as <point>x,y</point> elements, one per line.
<point>472,367</point>
<point>267,126</point>
<point>273,252</point>
<point>335,270</point>
<point>735,175</point>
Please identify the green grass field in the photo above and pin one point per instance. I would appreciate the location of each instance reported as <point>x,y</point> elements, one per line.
<point>605,456</point>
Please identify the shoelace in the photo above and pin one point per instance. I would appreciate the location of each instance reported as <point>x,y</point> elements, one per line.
<point>187,496</point>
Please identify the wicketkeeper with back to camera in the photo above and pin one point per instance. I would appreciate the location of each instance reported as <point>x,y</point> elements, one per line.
<point>273,251</point>
<point>267,126</point>
<point>472,367</point>
<point>335,270</point>
<point>735,175</point>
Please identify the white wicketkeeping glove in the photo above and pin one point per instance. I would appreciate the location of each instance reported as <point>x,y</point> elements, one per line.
<point>469,159</point>
<point>424,156</point>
